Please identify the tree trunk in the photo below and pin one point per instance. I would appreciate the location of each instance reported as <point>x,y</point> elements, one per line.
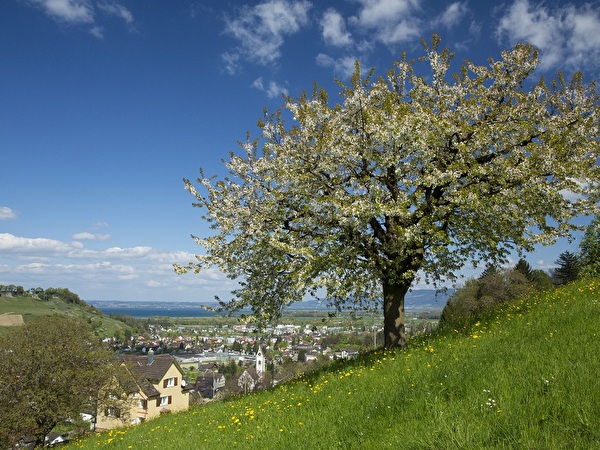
<point>393,313</point>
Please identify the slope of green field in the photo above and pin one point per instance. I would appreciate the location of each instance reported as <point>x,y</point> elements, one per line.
<point>526,378</point>
<point>30,308</point>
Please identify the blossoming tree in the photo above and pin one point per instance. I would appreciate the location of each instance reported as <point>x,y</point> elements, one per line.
<point>407,177</point>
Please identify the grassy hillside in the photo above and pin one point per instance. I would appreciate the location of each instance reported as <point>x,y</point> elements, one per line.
<point>30,308</point>
<point>525,378</point>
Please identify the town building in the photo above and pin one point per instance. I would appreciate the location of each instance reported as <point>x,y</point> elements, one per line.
<point>155,386</point>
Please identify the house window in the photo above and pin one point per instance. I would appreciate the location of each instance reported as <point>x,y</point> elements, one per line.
<point>164,401</point>
<point>142,403</point>
<point>111,411</point>
<point>170,382</point>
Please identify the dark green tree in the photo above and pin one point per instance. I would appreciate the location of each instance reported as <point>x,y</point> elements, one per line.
<point>490,269</point>
<point>302,355</point>
<point>523,267</point>
<point>589,249</point>
<point>51,369</point>
<point>542,280</point>
<point>237,346</point>
<point>567,269</point>
<point>229,370</point>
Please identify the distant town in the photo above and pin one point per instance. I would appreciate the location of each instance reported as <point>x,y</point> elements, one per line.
<point>223,356</point>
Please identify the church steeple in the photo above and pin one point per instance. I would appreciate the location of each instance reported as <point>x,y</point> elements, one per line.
<point>260,363</point>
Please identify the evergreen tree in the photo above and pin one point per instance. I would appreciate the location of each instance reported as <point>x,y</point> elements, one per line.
<point>490,270</point>
<point>523,267</point>
<point>567,270</point>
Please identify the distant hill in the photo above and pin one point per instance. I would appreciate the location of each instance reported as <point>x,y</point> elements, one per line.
<point>416,300</point>
<point>419,299</point>
<point>15,310</point>
<point>427,299</point>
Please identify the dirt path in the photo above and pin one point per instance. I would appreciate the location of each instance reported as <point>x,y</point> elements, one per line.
<point>11,320</point>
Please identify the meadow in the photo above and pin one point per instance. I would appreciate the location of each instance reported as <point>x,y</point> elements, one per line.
<point>31,308</point>
<point>525,377</point>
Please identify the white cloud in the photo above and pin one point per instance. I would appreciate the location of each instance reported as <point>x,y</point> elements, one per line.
<point>71,11</point>
<point>393,21</point>
<point>6,213</point>
<point>82,12</point>
<point>85,236</point>
<point>334,29</point>
<point>260,30</point>
<point>116,10</point>
<point>21,245</point>
<point>272,89</point>
<point>97,32</point>
<point>567,34</point>
<point>375,12</point>
<point>231,62</point>
<point>453,15</point>
<point>135,252</point>
<point>583,42</point>
<point>343,67</point>
<point>43,247</point>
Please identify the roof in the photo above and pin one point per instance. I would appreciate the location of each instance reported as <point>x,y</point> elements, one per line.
<point>149,370</point>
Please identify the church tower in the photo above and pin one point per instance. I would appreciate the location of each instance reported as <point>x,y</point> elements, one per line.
<point>260,363</point>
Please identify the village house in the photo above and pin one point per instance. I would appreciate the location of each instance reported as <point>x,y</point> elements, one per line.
<point>210,383</point>
<point>156,387</point>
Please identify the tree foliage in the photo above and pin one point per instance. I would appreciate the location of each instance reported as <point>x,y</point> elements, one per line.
<point>589,249</point>
<point>51,370</point>
<point>64,294</point>
<point>411,175</point>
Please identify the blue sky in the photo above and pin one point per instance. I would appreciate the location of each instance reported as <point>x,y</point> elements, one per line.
<point>106,105</point>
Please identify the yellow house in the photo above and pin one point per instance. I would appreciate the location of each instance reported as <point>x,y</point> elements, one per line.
<point>157,387</point>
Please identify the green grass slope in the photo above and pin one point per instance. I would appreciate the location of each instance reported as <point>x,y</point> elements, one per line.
<point>526,378</point>
<point>31,307</point>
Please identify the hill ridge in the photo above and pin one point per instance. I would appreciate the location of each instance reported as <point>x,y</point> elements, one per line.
<point>30,307</point>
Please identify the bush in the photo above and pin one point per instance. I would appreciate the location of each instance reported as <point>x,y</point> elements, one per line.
<point>479,297</point>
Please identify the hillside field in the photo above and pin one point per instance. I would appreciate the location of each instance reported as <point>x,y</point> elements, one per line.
<point>29,308</point>
<point>524,378</point>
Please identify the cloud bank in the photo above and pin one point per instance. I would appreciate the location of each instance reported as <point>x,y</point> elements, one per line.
<point>114,273</point>
<point>566,34</point>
